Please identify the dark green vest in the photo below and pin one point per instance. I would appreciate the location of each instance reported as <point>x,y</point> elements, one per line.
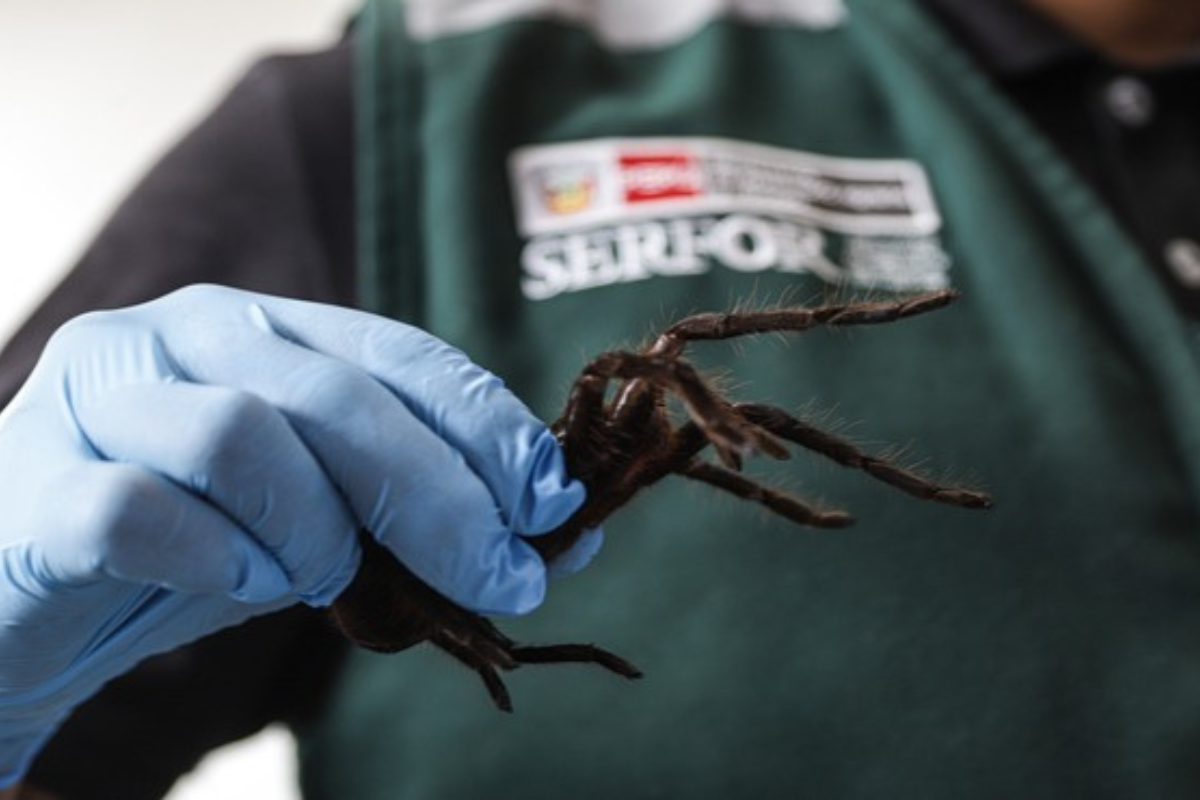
<point>1046,648</point>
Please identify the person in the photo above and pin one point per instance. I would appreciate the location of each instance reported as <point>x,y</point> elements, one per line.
<point>534,183</point>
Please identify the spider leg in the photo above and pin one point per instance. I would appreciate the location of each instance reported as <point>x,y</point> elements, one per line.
<point>779,502</point>
<point>483,667</point>
<point>575,653</point>
<point>788,427</point>
<point>583,425</point>
<point>687,443</point>
<point>732,324</point>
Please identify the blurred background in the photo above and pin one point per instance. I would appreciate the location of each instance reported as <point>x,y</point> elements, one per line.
<point>90,94</point>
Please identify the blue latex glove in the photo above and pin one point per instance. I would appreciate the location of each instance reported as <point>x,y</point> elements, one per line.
<point>177,467</point>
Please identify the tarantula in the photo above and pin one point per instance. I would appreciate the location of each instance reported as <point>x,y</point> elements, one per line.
<point>619,441</point>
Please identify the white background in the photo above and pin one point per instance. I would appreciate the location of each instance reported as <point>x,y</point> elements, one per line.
<point>91,91</point>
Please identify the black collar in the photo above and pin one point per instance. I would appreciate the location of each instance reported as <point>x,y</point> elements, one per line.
<point>1007,37</point>
<point>1011,40</point>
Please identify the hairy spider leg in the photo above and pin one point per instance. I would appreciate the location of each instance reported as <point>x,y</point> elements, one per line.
<point>689,441</point>
<point>781,503</point>
<point>788,427</point>
<point>682,459</point>
<point>583,428</point>
<point>514,657</point>
<point>732,324</point>
<point>576,653</point>
<point>484,668</point>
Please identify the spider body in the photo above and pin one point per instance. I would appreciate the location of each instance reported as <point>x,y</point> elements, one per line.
<point>621,440</point>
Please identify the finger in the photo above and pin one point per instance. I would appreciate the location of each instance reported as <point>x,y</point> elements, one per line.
<point>126,522</point>
<point>578,556</point>
<point>503,442</point>
<point>240,454</point>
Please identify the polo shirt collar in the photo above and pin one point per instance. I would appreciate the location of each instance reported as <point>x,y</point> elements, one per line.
<point>1011,40</point>
<point>1008,38</point>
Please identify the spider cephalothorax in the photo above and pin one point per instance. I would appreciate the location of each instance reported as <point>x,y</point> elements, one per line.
<point>621,439</point>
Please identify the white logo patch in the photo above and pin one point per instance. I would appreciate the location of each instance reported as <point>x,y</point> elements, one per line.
<point>608,211</point>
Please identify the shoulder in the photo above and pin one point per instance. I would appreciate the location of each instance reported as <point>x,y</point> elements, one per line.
<point>321,79</point>
<point>311,100</point>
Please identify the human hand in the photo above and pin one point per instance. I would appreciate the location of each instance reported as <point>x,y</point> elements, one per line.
<point>177,467</point>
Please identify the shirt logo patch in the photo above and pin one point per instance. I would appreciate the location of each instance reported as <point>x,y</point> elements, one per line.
<point>606,211</point>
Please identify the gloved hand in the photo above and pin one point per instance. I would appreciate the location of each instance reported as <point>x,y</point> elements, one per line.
<point>177,467</point>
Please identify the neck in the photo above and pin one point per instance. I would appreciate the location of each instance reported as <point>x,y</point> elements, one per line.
<point>1142,33</point>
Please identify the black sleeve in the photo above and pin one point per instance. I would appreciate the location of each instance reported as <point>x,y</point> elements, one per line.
<point>144,730</point>
<point>258,196</point>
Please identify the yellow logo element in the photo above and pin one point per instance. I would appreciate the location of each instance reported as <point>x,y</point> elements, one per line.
<point>567,189</point>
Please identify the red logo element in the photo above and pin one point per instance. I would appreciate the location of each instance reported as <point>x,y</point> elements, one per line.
<point>647,177</point>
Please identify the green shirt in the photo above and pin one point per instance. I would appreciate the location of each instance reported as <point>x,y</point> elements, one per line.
<point>543,186</point>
